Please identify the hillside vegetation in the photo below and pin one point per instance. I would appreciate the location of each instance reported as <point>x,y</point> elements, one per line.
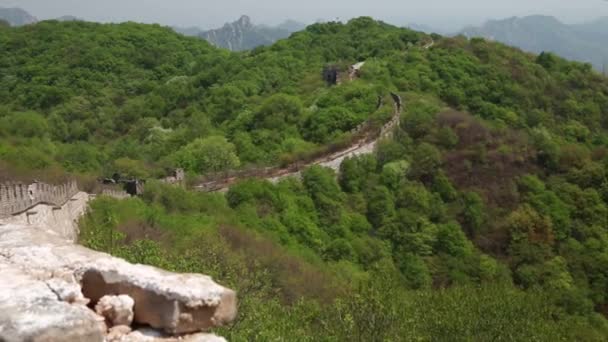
<point>483,218</point>
<point>96,98</point>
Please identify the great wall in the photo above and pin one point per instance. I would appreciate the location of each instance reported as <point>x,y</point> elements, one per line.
<point>17,197</point>
<point>365,144</point>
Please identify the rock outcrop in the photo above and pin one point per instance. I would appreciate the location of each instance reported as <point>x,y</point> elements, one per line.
<point>31,311</point>
<point>49,288</point>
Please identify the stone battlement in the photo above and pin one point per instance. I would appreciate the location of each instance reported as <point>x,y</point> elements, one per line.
<point>113,191</point>
<point>177,177</point>
<point>16,198</point>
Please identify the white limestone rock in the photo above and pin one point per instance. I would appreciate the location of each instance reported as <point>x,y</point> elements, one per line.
<point>203,338</point>
<point>31,311</point>
<point>149,335</point>
<point>175,303</point>
<point>67,291</point>
<point>118,333</point>
<point>117,310</point>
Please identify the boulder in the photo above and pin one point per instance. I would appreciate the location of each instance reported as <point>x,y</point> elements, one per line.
<point>174,303</point>
<point>147,335</point>
<point>118,333</point>
<point>67,291</point>
<point>117,310</point>
<point>31,311</point>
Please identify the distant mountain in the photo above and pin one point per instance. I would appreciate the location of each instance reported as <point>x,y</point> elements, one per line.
<point>16,16</point>
<point>599,26</point>
<point>244,35</point>
<point>583,42</point>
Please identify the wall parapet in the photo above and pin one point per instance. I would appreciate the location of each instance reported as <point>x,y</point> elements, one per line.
<point>16,198</point>
<point>115,193</point>
<point>365,141</point>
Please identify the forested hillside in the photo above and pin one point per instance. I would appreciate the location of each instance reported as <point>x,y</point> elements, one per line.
<point>484,217</point>
<point>86,97</point>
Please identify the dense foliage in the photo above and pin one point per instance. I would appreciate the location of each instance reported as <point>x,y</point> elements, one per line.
<point>484,217</point>
<point>353,290</point>
<point>77,96</point>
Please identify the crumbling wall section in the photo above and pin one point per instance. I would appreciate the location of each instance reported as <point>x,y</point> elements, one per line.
<point>62,220</point>
<point>114,193</point>
<point>16,198</point>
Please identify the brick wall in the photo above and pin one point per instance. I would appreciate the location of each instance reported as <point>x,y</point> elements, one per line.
<point>16,198</point>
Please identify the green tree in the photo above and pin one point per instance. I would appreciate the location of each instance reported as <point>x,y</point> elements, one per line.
<point>380,206</point>
<point>211,154</point>
<point>425,162</point>
<point>278,112</point>
<point>473,215</point>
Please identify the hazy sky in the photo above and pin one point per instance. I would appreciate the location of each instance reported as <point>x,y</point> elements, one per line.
<point>441,14</point>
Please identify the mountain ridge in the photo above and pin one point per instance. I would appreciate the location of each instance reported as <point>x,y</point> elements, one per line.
<point>585,42</point>
<point>17,16</point>
<point>243,34</point>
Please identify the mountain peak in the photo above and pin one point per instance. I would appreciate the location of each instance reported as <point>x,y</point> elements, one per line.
<point>243,34</point>
<point>16,16</point>
<point>244,20</point>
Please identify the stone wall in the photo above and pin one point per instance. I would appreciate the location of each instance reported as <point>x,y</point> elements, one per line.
<point>177,177</point>
<point>51,207</point>
<point>114,193</point>
<point>61,220</point>
<point>364,145</point>
<point>16,198</point>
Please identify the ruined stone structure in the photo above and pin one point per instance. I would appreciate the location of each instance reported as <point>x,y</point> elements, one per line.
<point>354,71</point>
<point>177,177</point>
<point>364,144</point>
<point>18,197</point>
<point>331,74</point>
<point>50,287</point>
<point>114,193</point>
